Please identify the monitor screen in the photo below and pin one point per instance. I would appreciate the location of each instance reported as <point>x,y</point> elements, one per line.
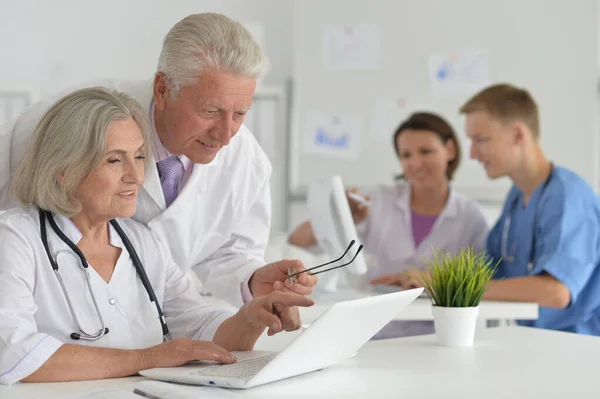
<point>333,226</point>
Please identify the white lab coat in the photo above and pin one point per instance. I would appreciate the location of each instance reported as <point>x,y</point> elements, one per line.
<point>34,316</point>
<point>388,238</point>
<point>387,233</point>
<point>219,224</point>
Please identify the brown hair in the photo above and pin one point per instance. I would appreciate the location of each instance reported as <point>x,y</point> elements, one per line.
<point>433,123</point>
<point>506,103</point>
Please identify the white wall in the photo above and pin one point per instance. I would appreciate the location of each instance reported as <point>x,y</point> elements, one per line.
<point>51,45</point>
<point>48,45</point>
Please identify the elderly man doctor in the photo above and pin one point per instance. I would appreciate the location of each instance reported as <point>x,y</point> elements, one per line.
<point>208,197</point>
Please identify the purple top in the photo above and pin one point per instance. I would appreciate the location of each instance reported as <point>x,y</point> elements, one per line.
<point>421,226</point>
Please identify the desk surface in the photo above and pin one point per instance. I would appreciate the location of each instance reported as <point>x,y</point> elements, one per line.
<point>505,362</point>
<point>420,309</point>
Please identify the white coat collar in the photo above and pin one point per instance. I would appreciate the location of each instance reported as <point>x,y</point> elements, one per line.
<point>152,183</point>
<point>403,201</point>
<point>69,229</point>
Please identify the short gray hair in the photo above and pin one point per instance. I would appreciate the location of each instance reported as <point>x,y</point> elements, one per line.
<point>69,142</point>
<point>209,41</point>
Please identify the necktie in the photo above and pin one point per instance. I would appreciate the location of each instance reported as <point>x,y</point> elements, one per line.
<point>170,171</point>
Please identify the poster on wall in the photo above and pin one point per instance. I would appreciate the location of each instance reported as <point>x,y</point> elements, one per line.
<point>458,74</point>
<point>333,136</point>
<point>352,48</point>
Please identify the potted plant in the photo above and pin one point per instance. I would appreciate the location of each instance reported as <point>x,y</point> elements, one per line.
<point>455,284</point>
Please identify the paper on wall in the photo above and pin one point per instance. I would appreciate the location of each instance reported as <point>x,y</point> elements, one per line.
<point>335,136</point>
<point>356,47</point>
<point>458,74</point>
<point>390,112</point>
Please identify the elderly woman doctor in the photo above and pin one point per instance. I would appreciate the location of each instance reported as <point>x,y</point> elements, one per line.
<point>85,292</point>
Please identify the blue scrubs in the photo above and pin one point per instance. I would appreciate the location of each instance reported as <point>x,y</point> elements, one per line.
<point>566,214</point>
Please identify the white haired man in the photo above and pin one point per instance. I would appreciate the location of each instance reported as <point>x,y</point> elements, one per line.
<point>208,197</point>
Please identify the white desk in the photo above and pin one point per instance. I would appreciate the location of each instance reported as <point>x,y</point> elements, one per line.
<point>505,362</point>
<point>420,309</point>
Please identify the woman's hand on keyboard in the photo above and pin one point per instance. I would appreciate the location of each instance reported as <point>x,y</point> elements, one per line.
<point>182,350</point>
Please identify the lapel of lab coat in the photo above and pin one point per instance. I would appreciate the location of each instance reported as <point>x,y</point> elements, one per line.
<point>151,184</point>
<point>450,211</point>
<point>197,184</point>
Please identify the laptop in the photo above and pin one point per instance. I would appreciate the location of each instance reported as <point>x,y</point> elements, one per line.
<point>334,336</point>
<point>386,289</point>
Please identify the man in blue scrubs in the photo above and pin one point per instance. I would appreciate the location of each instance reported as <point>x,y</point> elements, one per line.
<point>547,239</point>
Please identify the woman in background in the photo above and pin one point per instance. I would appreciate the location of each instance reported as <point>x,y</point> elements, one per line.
<point>405,222</point>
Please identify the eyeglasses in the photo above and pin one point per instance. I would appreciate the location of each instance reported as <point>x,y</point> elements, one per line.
<point>292,275</point>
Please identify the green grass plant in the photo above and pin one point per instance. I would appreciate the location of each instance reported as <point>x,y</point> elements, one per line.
<point>457,281</point>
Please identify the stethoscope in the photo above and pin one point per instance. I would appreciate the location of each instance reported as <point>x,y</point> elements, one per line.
<point>506,226</point>
<point>136,263</point>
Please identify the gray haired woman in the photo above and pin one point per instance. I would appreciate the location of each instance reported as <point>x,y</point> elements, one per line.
<point>86,292</point>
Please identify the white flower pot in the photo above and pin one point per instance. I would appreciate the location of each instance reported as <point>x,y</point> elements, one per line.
<point>455,326</point>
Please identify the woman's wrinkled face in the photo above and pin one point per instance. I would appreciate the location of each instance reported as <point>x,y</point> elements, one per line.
<point>111,189</point>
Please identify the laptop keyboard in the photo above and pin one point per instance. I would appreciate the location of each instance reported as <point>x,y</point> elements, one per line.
<point>241,369</point>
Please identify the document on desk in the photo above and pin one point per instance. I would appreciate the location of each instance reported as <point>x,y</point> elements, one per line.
<point>103,394</point>
<point>166,390</point>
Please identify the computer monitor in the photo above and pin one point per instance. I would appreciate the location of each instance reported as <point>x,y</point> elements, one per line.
<point>333,227</point>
